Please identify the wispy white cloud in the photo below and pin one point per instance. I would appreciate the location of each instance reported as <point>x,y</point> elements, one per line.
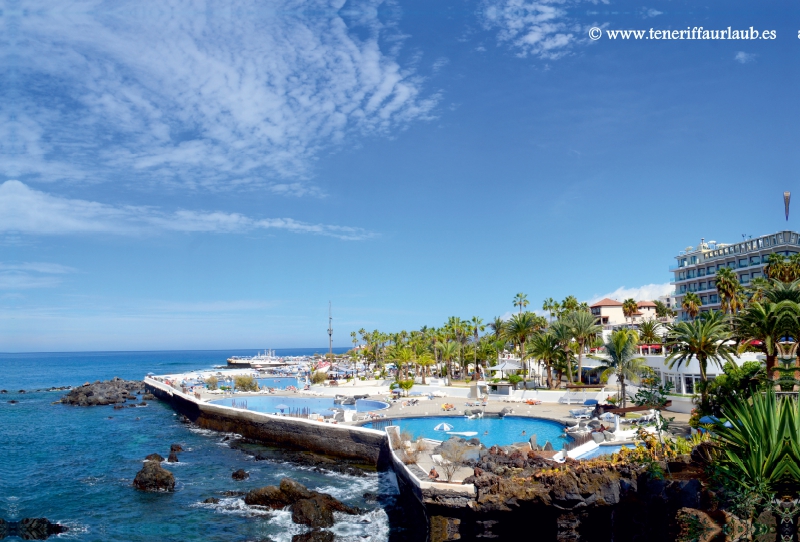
<point>539,28</point>
<point>28,275</point>
<point>202,93</point>
<point>648,292</point>
<point>649,13</point>
<point>743,58</point>
<point>27,211</point>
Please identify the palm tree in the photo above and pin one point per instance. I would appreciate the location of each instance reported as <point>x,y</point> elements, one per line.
<point>727,284</point>
<point>622,360</point>
<point>629,308</point>
<point>477,328</point>
<point>570,304</point>
<point>425,360</point>
<point>497,324</point>
<point>777,267</point>
<point>562,331</point>
<point>448,350</point>
<point>705,339</point>
<point>551,306</point>
<point>545,348</point>
<point>691,304</point>
<point>756,292</point>
<point>766,323</point>
<point>518,328</point>
<point>648,332</point>
<point>521,301</point>
<point>584,328</point>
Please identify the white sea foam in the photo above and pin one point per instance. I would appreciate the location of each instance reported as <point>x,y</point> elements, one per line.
<point>282,521</point>
<point>353,487</point>
<point>235,506</point>
<point>372,526</point>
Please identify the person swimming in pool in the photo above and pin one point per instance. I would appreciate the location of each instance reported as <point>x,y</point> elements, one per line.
<point>485,433</point>
<point>523,433</point>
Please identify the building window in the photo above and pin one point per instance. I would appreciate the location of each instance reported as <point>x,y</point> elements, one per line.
<point>744,279</point>
<point>712,298</point>
<point>689,382</point>
<point>703,299</point>
<point>743,263</point>
<point>765,258</point>
<point>711,270</point>
<point>701,272</point>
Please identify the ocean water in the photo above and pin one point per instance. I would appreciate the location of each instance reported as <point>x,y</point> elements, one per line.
<point>75,465</point>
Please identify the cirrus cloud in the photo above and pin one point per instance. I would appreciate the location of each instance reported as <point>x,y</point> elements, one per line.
<point>198,93</point>
<point>28,211</point>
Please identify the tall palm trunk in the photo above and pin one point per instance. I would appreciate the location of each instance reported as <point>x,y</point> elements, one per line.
<point>580,363</point>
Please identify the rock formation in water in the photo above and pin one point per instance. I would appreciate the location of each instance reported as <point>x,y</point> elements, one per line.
<point>240,474</point>
<point>308,507</point>
<point>154,477</point>
<point>30,529</point>
<point>108,392</point>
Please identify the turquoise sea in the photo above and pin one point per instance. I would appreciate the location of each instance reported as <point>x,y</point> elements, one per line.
<point>75,465</point>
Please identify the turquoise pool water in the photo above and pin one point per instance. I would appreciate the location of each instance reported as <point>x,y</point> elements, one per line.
<point>322,405</point>
<point>500,431</point>
<point>604,450</point>
<point>279,382</point>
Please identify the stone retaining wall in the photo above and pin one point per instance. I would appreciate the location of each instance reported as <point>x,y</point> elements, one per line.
<point>351,442</point>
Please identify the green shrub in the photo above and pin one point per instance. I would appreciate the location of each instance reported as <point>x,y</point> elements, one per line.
<point>245,383</point>
<point>318,377</point>
<point>212,382</point>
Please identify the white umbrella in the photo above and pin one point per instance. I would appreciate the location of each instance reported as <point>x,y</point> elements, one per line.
<point>443,427</point>
<point>506,366</point>
<point>282,407</point>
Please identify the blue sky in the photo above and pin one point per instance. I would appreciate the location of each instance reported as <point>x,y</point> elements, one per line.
<point>209,175</point>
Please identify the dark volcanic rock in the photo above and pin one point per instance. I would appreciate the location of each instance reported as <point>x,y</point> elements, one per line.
<point>30,529</point>
<point>269,496</point>
<point>312,512</point>
<point>211,500</point>
<point>314,536</point>
<point>108,392</point>
<point>175,448</point>
<point>13,401</point>
<point>154,477</point>
<point>173,458</point>
<point>294,490</point>
<point>148,397</point>
<point>308,507</point>
<point>240,474</point>
<point>154,457</point>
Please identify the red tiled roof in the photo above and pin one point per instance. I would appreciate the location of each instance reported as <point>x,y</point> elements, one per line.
<point>606,302</point>
<point>641,304</point>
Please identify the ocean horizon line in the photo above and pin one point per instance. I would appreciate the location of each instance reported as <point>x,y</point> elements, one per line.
<point>155,351</point>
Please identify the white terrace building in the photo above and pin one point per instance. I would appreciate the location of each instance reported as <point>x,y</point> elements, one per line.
<point>609,312</point>
<point>697,266</point>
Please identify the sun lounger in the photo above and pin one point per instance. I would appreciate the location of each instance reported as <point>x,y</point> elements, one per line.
<point>579,413</point>
<point>439,460</point>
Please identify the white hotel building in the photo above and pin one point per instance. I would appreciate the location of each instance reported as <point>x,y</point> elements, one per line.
<point>697,266</point>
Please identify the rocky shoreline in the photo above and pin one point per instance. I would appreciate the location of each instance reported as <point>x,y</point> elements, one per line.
<point>108,392</point>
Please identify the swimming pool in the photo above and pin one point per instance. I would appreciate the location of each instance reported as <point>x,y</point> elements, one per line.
<point>279,382</point>
<point>322,405</point>
<point>500,431</point>
<point>604,450</point>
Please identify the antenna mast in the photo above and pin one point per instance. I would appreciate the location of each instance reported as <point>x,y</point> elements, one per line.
<point>330,331</point>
